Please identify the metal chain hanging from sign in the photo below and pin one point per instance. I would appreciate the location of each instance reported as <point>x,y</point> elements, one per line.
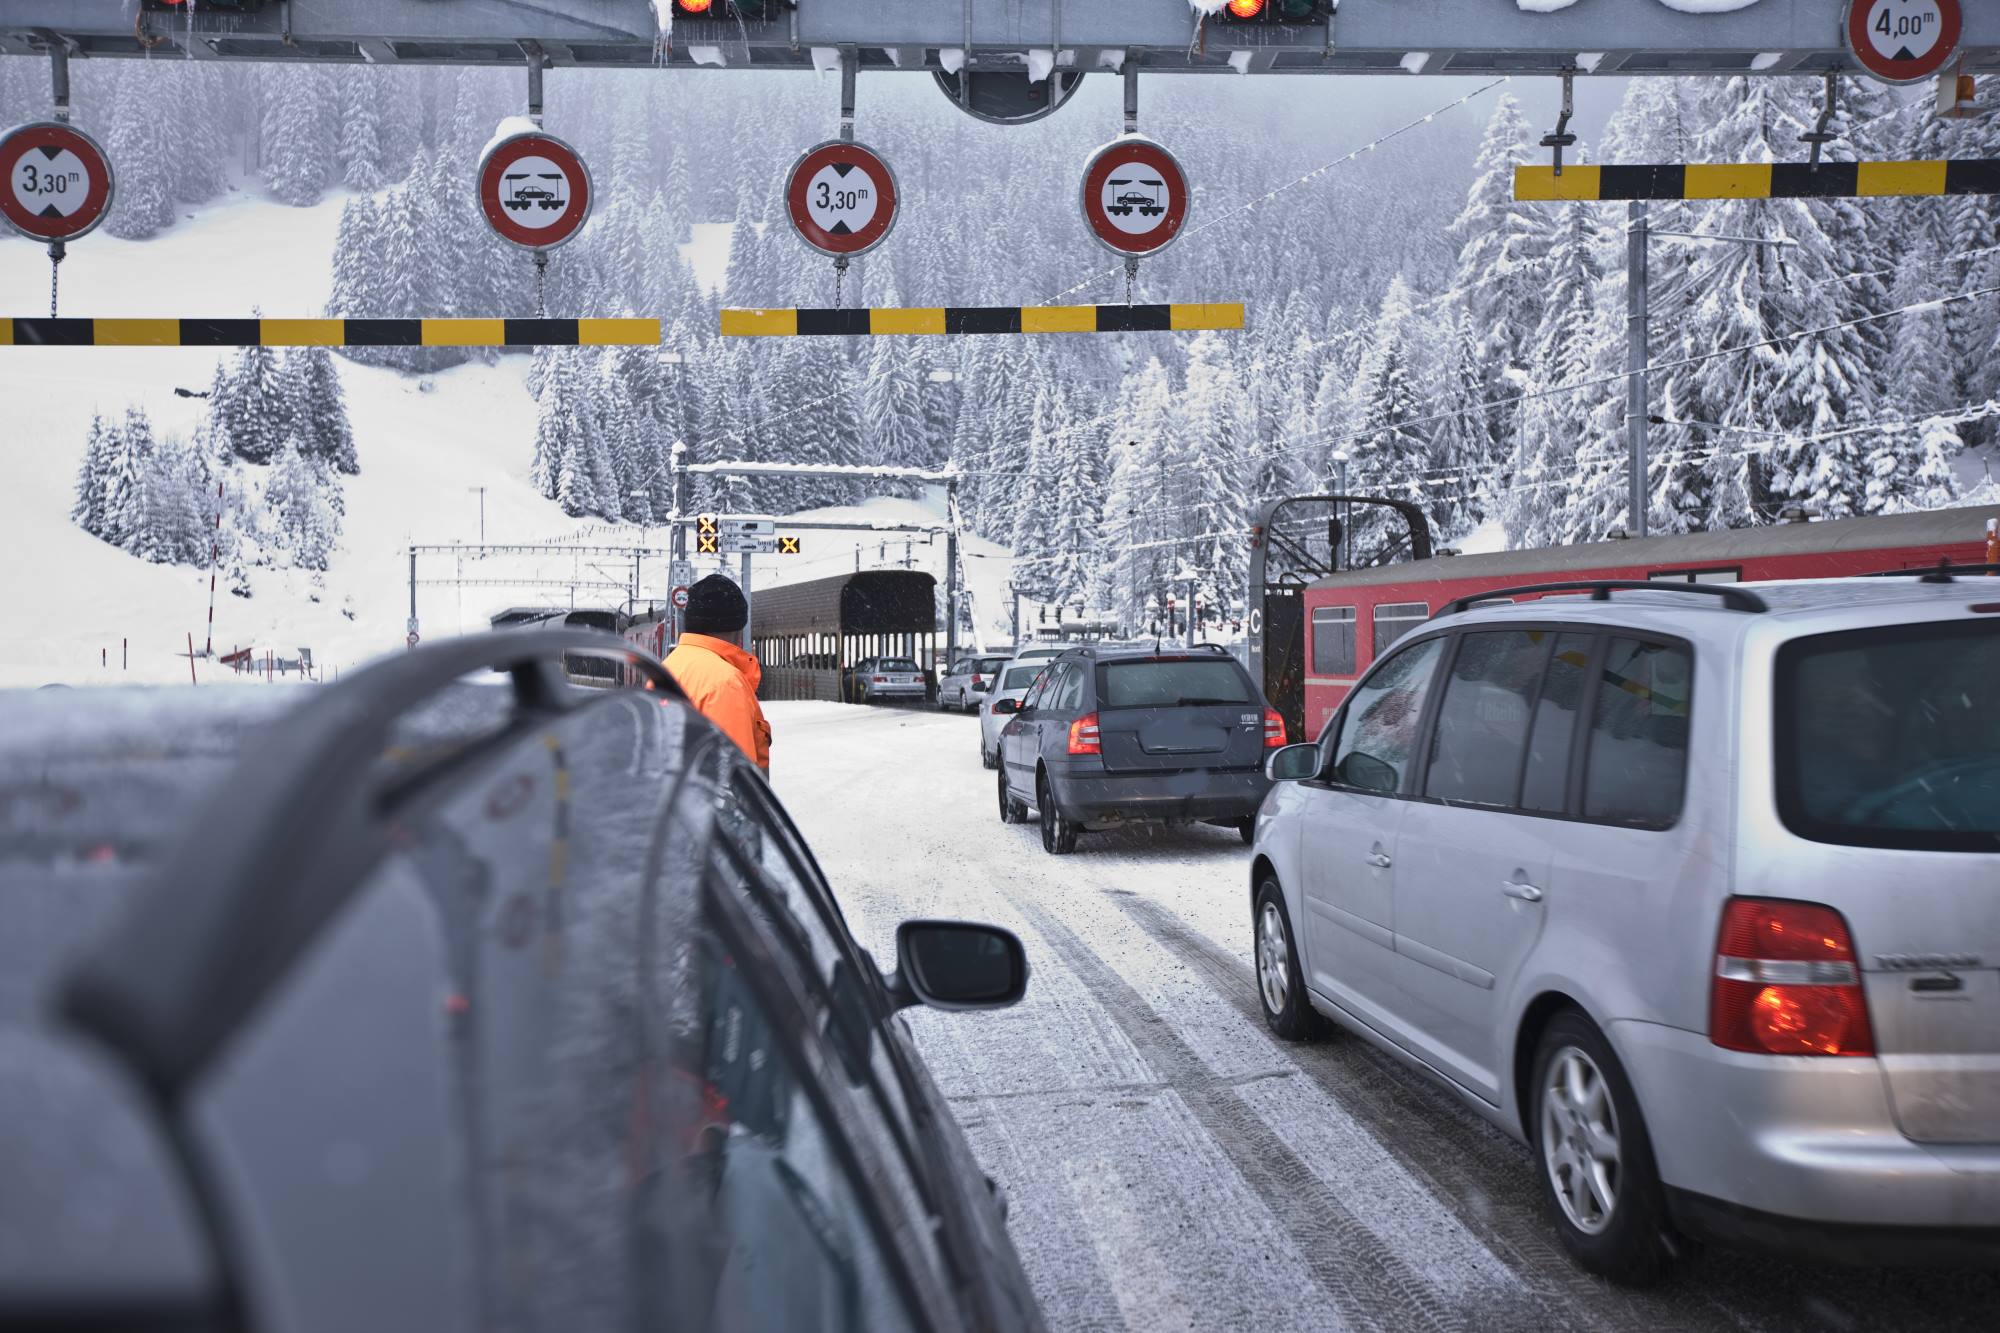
<point>1135,196</point>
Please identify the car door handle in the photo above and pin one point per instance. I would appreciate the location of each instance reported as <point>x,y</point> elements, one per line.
<point>1527,893</point>
<point>1380,860</point>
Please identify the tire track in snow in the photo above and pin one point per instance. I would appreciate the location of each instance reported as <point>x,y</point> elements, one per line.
<point>1368,1282</point>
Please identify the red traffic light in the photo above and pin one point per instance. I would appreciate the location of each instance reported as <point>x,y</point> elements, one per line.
<point>703,6</point>
<point>1246,9</point>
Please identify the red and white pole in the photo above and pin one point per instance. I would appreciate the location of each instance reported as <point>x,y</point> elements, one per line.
<point>191,679</point>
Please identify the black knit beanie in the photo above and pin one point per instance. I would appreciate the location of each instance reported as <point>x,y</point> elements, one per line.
<point>715,606</point>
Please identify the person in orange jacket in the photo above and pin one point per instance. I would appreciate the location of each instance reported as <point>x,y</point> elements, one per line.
<point>712,668</point>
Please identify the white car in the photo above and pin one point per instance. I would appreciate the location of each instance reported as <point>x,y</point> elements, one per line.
<point>1014,682</point>
<point>1695,891</point>
<point>969,678</point>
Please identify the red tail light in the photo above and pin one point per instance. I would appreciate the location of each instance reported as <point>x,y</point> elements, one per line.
<point>977,680</point>
<point>1274,729</point>
<point>1786,982</point>
<point>1084,737</point>
<point>881,680</point>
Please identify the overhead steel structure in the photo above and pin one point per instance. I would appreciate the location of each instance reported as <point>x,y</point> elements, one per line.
<point>1461,37</point>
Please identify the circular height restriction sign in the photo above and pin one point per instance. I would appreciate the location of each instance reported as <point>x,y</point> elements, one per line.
<point>842,198</point>
<point>534,190</point>
<point>1135,196</point>
<point>55,182</point>
<point>1904,41</point>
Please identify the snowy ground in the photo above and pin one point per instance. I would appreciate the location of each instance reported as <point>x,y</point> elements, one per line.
<point>1170,1165</point>
<point>427,446</point>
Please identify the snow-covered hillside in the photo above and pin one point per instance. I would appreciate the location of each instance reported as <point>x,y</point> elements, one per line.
<point>426,446</point>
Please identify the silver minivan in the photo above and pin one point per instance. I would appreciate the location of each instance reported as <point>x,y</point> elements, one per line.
<point>1695,889</point>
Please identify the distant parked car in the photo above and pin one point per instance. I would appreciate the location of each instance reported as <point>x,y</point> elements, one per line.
<point>302,1031</point>
<point>1111,736</point>
<point>1016,678</point>
<point>1693,887</point>
<point>968,681</point>
<point>876,679</point>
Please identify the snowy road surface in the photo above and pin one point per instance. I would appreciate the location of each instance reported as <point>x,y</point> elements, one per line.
<point>1171,1165</point>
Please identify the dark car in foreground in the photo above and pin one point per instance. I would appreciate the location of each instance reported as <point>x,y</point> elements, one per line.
<point>440,1000</point>
<point>1111,736</point>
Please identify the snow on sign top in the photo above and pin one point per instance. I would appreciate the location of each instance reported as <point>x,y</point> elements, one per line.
<point>841,198</point>
<point>1904,41</point>
<point>1135,196</point>
<point>55,182</point>
<point>534,189</point>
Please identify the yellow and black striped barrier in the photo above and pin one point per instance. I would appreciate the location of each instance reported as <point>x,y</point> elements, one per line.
<point>1760,180</point>
<point>329,332</point>
<point>980,319</point>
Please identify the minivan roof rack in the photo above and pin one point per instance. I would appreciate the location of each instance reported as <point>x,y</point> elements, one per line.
<point>1944,571</point>
<point>1600,590</point>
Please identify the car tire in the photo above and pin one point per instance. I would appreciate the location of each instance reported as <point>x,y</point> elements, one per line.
<point>1010,809</point>
<point>1281,990</point>
<point>1058,831</point>
<point>1581,1111</point>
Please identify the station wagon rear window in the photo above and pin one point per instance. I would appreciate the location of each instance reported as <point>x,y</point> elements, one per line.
<point>1020,678</point>
<point>1891,737</point>
<point>1172,682</point>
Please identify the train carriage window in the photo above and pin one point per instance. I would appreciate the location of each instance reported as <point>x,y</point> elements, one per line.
<point>1333,641</point>
<point>1395,619</point>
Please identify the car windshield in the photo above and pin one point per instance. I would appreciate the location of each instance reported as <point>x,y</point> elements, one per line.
<point>986,666</point>
<point>1892,737</point>
<point>1020,678</point>
<point>895,664</point>
<point>1172,682</point>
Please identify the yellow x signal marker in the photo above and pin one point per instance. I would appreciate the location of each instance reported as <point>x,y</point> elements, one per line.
<point>705,524</point>
<point>707,543</point>
<point>788,546</point>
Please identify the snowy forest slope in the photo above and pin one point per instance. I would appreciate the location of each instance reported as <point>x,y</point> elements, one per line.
<point>1412,329</point>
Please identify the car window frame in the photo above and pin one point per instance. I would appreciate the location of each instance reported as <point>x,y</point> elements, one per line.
<point>1576,770</point>
<point>818,1070</point>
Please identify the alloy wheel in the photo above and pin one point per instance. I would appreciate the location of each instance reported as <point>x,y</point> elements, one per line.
<point>1274,959</point>
<point>1580,1148</point>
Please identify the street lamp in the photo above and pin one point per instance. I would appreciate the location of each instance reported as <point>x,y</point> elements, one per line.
<point>1340,459</point>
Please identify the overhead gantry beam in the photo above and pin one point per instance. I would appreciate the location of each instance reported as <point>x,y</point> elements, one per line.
<point>1463,37</point>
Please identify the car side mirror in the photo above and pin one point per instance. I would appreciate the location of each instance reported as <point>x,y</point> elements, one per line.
<point>1293,763</point>
<point>1001,707</point>
<point>957,965</point>
<point>1367,772</point>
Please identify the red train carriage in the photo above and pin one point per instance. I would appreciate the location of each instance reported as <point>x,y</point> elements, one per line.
<point>1316,635</point>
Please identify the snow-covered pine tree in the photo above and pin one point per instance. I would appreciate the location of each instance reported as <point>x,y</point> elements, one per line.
<point>93,475</point>
<point>1134,505</point>
<point>1034,567</point>
<point>301,498</point>
<point>1500,243</point>
<point>137,144</point>
<point>1387,455</point>
<point>174,505</point>
<point>1462,443</point>
<point>1564,481</point>
<point>250,408</point>
<point>892,410</point>
<point>1213,424</point>
<point>130,452</point>
<point>1072,533</point>
<point>359,92</point>
<point>318,409</point>
<point>567,443</point>
<point>298,133</point>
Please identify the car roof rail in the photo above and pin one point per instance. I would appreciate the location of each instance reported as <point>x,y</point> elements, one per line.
<point>1944,571</point>
<point>286,839</point>
<point>1600,590</point>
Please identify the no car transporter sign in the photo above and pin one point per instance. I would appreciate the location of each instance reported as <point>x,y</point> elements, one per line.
<point>55,182</point>
<point>1904,41</point>
<point>534,190</point>
<point>680,599</point>
<point>1135,196</point>
<point>841,197</point>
